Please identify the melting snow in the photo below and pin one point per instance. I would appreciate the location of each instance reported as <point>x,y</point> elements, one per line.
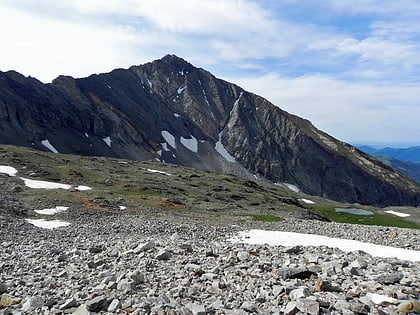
<point>287,239</point>
<point>40,184</point>
<point>180,89</point>
<point>222,150</point>
<point>398,214</point>
<point>49,146</point>
<point>32,183</point>
<point>42,223</point>
<point>307,201</point>
<point>291,187</point>
<point>83,188</point>
<point>52,211</point>
<point>9,170</point>
<point>108,141</point>
<point>236,104</point>
<point>190,144</point>
<point>169,138</point>
<point>157,171</point>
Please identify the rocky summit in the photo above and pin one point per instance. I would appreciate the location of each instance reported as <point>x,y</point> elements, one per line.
<point>174,112</point>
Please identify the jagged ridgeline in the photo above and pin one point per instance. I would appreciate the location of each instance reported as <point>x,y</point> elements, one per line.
<point>174,112</point>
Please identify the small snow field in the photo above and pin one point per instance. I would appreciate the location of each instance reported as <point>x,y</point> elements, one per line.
<point>108,141</point>
<point>158,172</point>
<point>46,143</point>
<point>276,238</point>
<point>222,150</point>
<point>47,224</point>
<point>52,211</point>
<point>169,138</point>
<point>307,201</point>
<point>9,170</point>
<point>398,214</point>
<point>292,187</point>
<point>190,143</point>
<point>41,184</point>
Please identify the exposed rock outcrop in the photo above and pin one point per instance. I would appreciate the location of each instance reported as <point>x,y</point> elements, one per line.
<point>177,113</point>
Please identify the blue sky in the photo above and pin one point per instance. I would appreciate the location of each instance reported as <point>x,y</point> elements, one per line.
<point>352,67</point>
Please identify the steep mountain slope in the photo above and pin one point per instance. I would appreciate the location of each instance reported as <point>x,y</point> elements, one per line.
<point>171,111</point>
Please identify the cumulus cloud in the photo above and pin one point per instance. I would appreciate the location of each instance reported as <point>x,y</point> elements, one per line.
<point>335,62</point>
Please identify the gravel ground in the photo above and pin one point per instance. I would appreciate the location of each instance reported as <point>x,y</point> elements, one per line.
<point>151,263</point>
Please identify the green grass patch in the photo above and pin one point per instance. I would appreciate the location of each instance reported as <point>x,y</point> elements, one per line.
<point>375,219</point>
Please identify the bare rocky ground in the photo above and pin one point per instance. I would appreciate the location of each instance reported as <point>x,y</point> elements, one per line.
<point>168,252</point>
<point>157,263</point>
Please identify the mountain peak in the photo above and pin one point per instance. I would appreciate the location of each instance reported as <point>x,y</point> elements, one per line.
<point>174,61</point>
<point>173,112</point>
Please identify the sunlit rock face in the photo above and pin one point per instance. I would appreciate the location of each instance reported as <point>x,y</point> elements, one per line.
<point>174,112</point>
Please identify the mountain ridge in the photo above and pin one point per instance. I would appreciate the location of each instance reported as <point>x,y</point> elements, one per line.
<point>174,112</point>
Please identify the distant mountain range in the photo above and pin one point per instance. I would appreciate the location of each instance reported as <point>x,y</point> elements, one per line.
<point>405,160</point>
<point>411,154</point>
<point>171,111</point>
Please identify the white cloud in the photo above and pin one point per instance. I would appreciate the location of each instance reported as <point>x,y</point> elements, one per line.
<point>381,51</point>
<point>348,111</point>
<point>45,48</point>
<point>299,54</point>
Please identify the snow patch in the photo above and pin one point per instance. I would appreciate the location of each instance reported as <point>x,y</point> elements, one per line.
<point>86,135</point>
<point>222,150</point>
<point>9,170</point>
<point>278,238</point>
<point>159,172</point>
<point>398,214</point>
<point>235,104</point>
<point>52,211</point>
<point>291,187</point>
<point>181,89</point>
<point>176,115</point>
<point>49,146</point>
<point>40,184</point>
<point>191,144</point>
<point>307,201</point>
<point>108,141</point>
<point>42,223</point>
<point>169,138</point>
<point>122,207</point>
<point>83,188</point>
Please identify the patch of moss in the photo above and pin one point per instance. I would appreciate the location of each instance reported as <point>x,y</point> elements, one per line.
<point>375,219</point>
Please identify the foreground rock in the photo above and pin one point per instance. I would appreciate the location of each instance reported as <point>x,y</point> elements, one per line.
<point>134,265</point>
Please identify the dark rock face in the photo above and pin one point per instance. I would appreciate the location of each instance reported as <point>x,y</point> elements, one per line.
<point>171,111</point>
